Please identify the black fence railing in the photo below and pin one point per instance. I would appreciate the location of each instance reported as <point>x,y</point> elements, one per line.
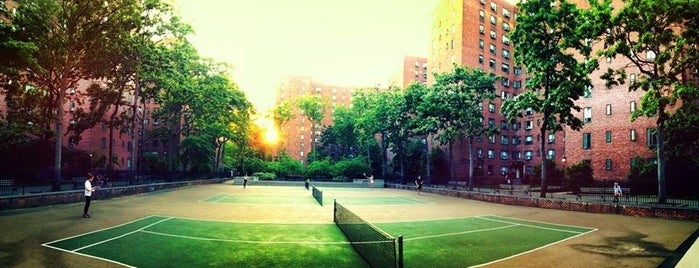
<point>12,186</point>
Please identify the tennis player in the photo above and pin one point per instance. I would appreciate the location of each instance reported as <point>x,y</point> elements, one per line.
<point>371,180</point>
<point>88,194</point>
<point>418,184</point>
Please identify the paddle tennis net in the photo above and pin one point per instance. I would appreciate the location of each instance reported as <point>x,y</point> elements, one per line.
<point>318,195</point>
<point>377,247</point>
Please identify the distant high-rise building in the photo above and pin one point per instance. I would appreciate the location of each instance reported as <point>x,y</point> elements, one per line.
<point>413,70</point>
<point>297,133</point>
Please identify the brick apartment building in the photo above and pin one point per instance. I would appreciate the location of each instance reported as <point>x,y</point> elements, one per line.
<point>413,69</point>
<point>473,33</point>
<point>297,134</point>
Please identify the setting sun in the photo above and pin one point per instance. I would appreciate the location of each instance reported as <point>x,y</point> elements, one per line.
<point>270,131</point>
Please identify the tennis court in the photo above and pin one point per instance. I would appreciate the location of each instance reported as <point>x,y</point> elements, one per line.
<point>227,226</point>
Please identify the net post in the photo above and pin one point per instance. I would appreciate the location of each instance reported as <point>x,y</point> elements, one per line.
<point>334,210</point>
<point>399,261</point>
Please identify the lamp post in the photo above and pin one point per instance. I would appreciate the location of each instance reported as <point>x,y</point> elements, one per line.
<point>565,175</point>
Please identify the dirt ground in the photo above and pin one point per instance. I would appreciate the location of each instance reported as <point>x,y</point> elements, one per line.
<point>619,241</point>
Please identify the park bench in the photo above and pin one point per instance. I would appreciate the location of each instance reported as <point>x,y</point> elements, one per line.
<point>602,193</point>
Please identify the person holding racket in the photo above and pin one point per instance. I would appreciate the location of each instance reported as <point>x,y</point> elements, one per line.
<point>418,184</point>
<point>88,194</point>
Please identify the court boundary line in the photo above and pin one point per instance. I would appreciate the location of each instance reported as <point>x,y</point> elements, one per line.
<point>47,244</point>
<point>537,227</point>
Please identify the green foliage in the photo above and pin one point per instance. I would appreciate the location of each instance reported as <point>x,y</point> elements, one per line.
<point>264,175</point>
<point>643,175</point>
<point>351,167</point>
<point>286,167</point>
<point>659,39</point>
<point>551,38</point>
<point>580,175</point>
<point>321,169</point>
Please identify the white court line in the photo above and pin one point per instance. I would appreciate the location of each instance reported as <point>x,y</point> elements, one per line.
<point>123,235</point>
<point>251,241</point>
<point>47,244</point>
<point>458,233</point>
<point>533,226</point>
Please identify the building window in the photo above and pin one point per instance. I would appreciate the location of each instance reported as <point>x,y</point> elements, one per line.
<point>608,109</point>
<point>587,140</point>
<point>650,55</point>
<point>505,40</point>
<point>529,139</point>
<point>528,155</point>
<point>608,164</point>
<point>632,135</point>
<point>504,125</point>
<point>492,63</point>
<point>491,139</point>
<point>506,68</point>
<point>504,155</point>
<point>492,49</point>
<point>516,125</point>
<point>479,153</point>
<point>506,26</point>
<point>480,59</point>
<point>552,138</point>
<point>506,13</point>
<point>504,140</point>
<point>491,154</point>
<point>517,84</point>
<point>504,95</point>
<point>481,15</point>
<point>506,54</point>
<point>529,125</point>
<point>632,106</point>
<point>516,155</point>
<point>551,154</point>
<point>491,122</point>
<point>608,136</point>
<point>481,29</point>
<point>528,111</point>
<point>493,21</point>
<point>632,78</point>
<point>505,82</point>
<point>588,92</point>
<point>491,107</point>
<point>493,35</point>
<point>651,137</point>
<point>481,43</point>
<point>493,7</point>
<point>587,115</point>
<point>516,140</point>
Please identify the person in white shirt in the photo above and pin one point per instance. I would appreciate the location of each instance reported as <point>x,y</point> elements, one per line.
<point>617,192</point>
<point>88,194</point>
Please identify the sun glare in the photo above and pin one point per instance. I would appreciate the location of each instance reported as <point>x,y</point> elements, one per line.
<point>270,132</point>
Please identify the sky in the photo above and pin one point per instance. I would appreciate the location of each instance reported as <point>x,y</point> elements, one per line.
<point>336,42</point>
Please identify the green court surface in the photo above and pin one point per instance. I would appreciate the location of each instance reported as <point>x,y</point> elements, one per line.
<point>181,242</point>
<point>261,199</point>
<point>379,200</point>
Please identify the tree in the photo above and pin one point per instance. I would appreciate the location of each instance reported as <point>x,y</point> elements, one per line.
<point>281,115</point>
<point>59,44</point>
<point>550,37</point>
<point>313,108</point>
<point>659,38</point>
<point>453,109</point>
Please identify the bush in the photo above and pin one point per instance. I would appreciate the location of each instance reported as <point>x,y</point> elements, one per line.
<point>264,175</point>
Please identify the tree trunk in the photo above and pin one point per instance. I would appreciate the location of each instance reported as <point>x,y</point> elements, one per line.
<point>543,160</point>
<point>451,160</point>
<point>660,152</point>
<point>58,132</point>
<point>470,163</point>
